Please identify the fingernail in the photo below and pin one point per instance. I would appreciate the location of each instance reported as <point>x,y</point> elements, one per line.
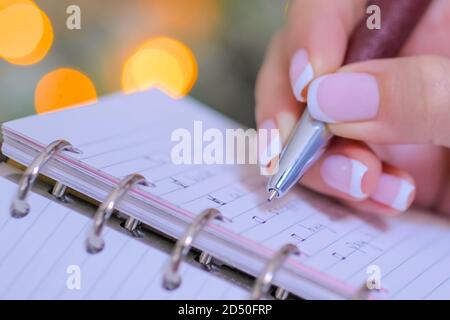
<point>286,122</point>
<point>301,73</point>
<point>344,174</point>
<point>343,97</point>
<point>270,143</point>
<point>394,192</point>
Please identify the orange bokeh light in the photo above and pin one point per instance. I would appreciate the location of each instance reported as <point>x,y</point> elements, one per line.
<point>63,88</point>
<point>26,33</point>
<point>161,62</point>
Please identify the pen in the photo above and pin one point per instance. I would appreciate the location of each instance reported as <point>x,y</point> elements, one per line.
<point>310,137</point>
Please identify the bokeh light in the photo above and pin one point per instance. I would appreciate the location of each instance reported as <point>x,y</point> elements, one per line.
<point>63,88</point>
<point>26,33</point>
<point>161,62</point>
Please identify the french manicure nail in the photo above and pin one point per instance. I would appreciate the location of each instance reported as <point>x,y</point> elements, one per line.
<point>286,122</point>
<point>344,97</point>
<point>344,174</point>
<point>394,192</point>
<point>270,143</point>
<point>301,73</point>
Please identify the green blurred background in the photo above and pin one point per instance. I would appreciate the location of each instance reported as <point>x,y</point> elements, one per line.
<point>228,38</point>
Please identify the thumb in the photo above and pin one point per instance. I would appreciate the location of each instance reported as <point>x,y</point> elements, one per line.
<point>394,101</point>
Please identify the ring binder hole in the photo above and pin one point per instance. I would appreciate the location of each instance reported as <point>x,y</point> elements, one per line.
<point>58,191</point>
<point>281,294</point>
<point>19,208</point>
<point>205,258</point>
<point>206,261</point>
<point>94,243</point>
<point>131,225</point>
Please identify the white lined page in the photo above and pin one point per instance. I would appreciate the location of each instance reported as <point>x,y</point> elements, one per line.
<point>135,135</point>
<point>37,250</point>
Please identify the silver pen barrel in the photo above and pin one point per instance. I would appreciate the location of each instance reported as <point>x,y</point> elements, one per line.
<point>306,144</point>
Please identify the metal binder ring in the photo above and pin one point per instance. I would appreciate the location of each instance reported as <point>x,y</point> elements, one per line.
<point>262,283</point>
<point>20,207</point>
<point>172,279</point>
<point>94,241</point>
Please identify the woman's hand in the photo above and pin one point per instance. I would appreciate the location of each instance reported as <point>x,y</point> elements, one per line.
<point>392,116</point>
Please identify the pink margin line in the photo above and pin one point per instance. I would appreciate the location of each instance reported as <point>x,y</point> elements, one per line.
<point>256,246</point>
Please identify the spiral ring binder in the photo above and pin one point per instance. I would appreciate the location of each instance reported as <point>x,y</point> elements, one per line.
<point>262,283</point>
<point>20,207</point>
<point>94,241</point>
<point>172,279</point>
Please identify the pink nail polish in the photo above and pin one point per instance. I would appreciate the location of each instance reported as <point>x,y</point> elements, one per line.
<point>343,97</point>
<point>344,174</point>
<point>394,192</point>
<point>301,73</point>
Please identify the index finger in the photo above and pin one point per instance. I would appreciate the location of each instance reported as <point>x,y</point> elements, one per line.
<point>316,38</point>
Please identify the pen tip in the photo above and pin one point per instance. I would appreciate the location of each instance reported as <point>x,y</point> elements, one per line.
<point>272,195</point>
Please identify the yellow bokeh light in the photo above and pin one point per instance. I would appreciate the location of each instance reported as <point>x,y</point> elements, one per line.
<point>26,33</point>
<point>63,88</point>
<point>161,70</point>
<point>161,62</point>
<point>7,3</point>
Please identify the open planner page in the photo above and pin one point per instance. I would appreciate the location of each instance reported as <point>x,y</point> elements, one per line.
<point>44,257</point>
<point>341,249</point>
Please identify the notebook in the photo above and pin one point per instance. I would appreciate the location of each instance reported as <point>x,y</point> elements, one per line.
<point>340,251</point>
<point>44,257</point>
